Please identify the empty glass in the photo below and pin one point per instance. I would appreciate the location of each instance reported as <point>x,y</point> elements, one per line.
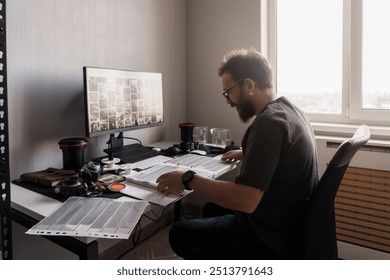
<point>201,134</point>
<point>220,136</point>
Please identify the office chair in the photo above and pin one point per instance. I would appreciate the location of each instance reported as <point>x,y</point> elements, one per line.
<point>320,241</point>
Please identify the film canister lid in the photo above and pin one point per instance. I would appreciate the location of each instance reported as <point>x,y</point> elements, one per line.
<point>73,142</point>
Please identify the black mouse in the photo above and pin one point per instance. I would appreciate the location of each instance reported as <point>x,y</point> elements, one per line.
<point>173,150</point>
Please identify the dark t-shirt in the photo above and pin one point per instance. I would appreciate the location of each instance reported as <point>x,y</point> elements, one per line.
<point>280,158</point>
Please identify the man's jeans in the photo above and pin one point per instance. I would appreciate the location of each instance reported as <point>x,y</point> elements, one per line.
<point>217,238</point>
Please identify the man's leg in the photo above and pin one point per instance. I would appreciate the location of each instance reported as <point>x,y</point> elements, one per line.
<point>210,209</point>
<point>216,238</point>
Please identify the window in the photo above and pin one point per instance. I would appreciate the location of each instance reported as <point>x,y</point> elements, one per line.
<point>309,54</point>
<point>332,58</point>
<point>376,55</point>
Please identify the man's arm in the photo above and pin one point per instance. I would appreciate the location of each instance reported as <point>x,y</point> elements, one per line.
<point>226,194</point>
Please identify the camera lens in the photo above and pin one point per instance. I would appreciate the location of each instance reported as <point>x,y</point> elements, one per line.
<point>93,166</point>
<point>86,175</point>
<point>72,182</point>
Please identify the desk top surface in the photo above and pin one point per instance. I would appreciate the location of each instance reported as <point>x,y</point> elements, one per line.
<point>32,203</point>
<point>38,206</point>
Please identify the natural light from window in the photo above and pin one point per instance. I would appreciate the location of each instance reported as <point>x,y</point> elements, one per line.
<point>309,54</point>
<point>376,55</point>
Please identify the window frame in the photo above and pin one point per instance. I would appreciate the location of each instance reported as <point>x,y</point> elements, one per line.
<point>352,112</point>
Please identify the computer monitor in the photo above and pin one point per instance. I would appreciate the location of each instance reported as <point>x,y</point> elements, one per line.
<point>121,100</point>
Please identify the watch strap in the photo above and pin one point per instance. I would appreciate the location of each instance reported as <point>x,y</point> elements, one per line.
<point>187,178</point>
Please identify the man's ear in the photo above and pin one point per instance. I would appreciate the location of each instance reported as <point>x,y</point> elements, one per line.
<point>250,85</point>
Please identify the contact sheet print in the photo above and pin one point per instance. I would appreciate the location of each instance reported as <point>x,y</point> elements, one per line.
<point>92,217</point>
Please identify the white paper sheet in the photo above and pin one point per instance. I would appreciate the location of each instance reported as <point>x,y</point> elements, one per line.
<point>142,185</point>
<point>151,194</point>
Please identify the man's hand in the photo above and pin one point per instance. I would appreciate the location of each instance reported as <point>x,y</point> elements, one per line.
<point>170,182</point>
<point>233,155</point>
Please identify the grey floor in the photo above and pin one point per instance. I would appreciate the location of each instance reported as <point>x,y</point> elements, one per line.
<point>154,248</point>
<point>157,246</point>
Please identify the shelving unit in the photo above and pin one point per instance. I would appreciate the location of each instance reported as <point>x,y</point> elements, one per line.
<point>5,192</point>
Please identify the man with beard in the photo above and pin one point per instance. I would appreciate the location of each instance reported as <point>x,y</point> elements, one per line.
<point>260,214</point>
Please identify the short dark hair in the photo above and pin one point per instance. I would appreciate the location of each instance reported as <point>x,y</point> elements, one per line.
<point>247,63</point>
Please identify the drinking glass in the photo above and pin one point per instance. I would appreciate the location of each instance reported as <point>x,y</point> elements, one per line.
<point>221,136</point>
<point>200,134</point>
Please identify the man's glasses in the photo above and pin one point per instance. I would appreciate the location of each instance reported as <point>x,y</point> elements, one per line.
<point>226,92</point>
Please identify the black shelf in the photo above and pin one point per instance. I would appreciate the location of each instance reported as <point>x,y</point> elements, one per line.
<point>5,192</point>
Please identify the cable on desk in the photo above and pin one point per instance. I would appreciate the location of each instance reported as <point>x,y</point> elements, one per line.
<point>132,138</point>
<point>136,241</point>
<point>158,217</point>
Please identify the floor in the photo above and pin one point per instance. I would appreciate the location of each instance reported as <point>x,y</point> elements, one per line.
<point>154,248</point>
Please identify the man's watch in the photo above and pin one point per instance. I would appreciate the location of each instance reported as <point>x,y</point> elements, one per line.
<point>187,178</point>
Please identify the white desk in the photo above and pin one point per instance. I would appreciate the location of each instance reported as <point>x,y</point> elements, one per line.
<point>29,207</point>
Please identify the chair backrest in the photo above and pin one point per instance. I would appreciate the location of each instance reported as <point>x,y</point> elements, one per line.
<point>320,240</point>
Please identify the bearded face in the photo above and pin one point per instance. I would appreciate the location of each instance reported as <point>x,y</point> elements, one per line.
<point>244,107</point>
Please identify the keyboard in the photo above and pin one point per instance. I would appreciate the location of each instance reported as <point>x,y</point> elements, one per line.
<point>152,161</point>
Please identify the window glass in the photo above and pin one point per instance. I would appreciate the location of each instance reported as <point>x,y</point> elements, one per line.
<point>309,54</point>
<point>376,55</point>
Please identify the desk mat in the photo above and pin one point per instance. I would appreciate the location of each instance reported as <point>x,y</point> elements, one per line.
<point>50,191</point>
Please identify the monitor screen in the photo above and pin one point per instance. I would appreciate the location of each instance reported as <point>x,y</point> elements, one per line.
<point>120,100</point>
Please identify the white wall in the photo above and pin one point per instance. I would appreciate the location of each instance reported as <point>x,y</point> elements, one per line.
<point>214,28</point>
<point>49,41</point>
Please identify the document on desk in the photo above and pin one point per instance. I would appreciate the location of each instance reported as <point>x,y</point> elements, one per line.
<point>92,217</point>
<point>142,185</point>
<point>151,194</point>
<point>204,166</point>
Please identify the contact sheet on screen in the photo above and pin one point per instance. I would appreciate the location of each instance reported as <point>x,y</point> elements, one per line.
<point>92,217</point>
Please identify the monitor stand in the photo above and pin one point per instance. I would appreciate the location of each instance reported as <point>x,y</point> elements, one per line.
<point>126,153</point>
<point>115,142</point>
